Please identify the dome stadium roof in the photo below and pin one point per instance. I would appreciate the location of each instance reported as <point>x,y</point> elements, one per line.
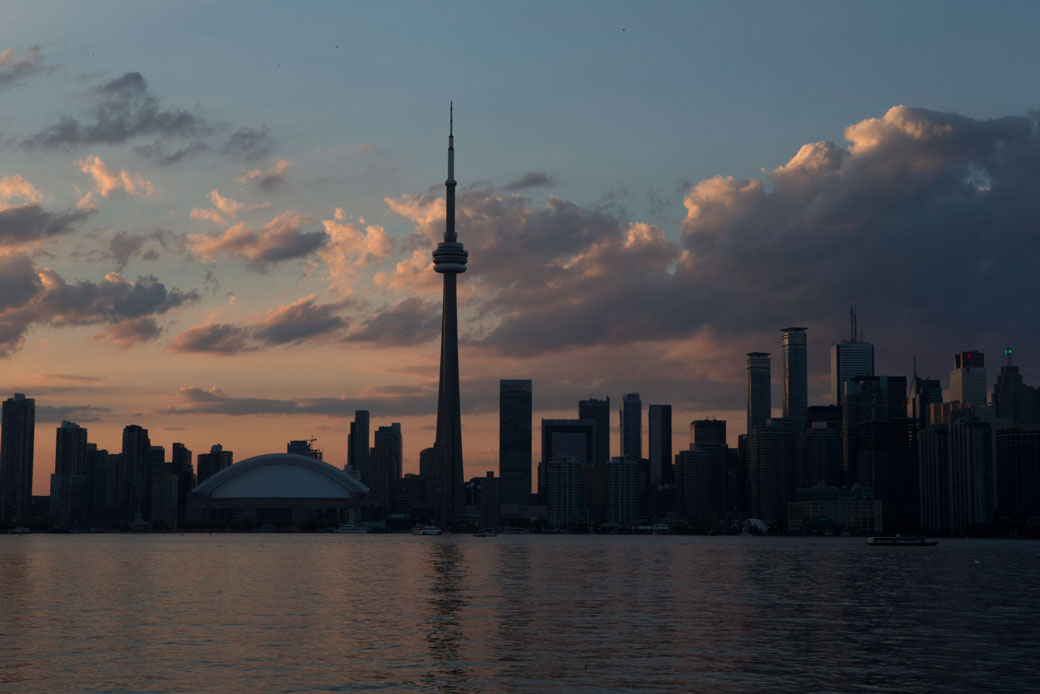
<point>281,476</point>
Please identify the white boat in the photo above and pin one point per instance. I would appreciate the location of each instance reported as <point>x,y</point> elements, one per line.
<point>353,529</point>
<point>426,530</point>
<point>20,530</point>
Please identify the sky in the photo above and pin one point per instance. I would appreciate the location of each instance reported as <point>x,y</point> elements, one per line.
<point>216,219</point>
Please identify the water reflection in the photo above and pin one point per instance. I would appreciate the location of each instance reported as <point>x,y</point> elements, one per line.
<point>444,629</point>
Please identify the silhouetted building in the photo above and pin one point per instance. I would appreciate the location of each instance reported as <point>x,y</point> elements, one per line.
<point>660,433</point>
<point>490,501</point>
<point>821,509</point>
<point>597,410</point>
<point>137,461</point>
<point>631,414</point>
<point>1018,470</point>
<point>181,462</point>
<point>68,494</point>
<point>573,438</point>
<point>968,378</point>
<point>425,461</point>
<point>358,451</point>
<point>622,492</point>
<point>887,453</point>
<point>1012,398</point>
<point>759,398</point>
<point>850,358</point>
<point>708,432</point>
<point>564,490</point>
<point>165,492</point>
<point>772,470</point>
<point>384,467</point>
<point>16,456</point>
<point>956,474</point>
<point>819,455</point>
<point>700,483</point>
<point>96,465</point>
<point>866,398</point>
<point>449,260</point>
<point>514,440</point>
<point>795,382</point>
<point>304,447</point>
<point>209,464</point>
<point>923,393</point>
<point>410,494</point>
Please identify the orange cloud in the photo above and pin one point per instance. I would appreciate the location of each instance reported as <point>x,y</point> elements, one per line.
<point>108,181</point>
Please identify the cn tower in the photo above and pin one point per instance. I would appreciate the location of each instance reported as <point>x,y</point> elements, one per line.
<point>449,259</point>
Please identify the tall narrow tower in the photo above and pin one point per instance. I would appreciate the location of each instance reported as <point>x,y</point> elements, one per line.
<point>449,259</point>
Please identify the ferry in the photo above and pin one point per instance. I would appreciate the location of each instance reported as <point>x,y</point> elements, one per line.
<point>353,529</point>
<point>899,541</point>
<point>20,530</point>
<point>426,530</point>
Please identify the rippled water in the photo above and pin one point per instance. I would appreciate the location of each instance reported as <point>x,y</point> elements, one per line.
<point>171,613</point>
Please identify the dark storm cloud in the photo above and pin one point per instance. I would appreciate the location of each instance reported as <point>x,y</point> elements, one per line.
<point>14,70</point>
<point>410,322</point>
<point>30,222</point>
<point>534,179</point>
<point>926,220</point>
<point>124,109</point>
<point>248,144</point>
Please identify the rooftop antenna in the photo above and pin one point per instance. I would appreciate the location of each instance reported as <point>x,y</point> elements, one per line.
<point>1007,353</point>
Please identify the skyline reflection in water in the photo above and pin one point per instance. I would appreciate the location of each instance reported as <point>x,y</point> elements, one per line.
<point>171,613</point>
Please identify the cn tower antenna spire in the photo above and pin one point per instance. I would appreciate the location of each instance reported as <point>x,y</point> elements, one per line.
<point>449,184</point>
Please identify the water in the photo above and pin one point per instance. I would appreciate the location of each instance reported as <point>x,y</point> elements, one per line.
<point>301,613</point>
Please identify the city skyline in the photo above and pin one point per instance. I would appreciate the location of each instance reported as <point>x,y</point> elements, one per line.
<point>243,258</point>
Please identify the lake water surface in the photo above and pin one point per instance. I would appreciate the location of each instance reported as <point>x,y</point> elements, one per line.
<point>300,613</point>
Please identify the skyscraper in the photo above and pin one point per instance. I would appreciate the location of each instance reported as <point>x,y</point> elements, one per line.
<point>968,378</point>
<point>68,503</point>
<point>759,404</point>
<point>598,411</point>
<point>358,452</point>
<point>137,461</point>
<point>16,456</point>
<point>632,427</point>
<point>659,427</point>
<point>449,259</point>
<point>795,377</point>
<point>514,440</point>
<point>850,358</point>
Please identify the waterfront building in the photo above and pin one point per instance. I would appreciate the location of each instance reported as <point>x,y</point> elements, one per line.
<point>631,420</point>
<point>622,492</point>
<point>828,508</point>
<point>866,398</point>
<point>708,432</point>
<point>956,474</point>
<point>137,463</point>
<point>659,430</point>
<point>923,393</point>
<point>795,384</point>
<point>209,464</point>
<point>700,484</point>
<point>968,378</point>
<point>564,491</point>
<point>598,410</point>
<point>17,437</point>
<point>887,452</point>
<point>1018,470</point>
<point>514,439</point>
<point>384,467</point>
<point>181,461</point>
<point>1012,398</point>
<point>491,501</point>
<point>449,260</point>
<point>772,470</point>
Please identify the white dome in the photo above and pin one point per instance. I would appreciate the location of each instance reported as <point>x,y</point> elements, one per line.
<point>281,476</point>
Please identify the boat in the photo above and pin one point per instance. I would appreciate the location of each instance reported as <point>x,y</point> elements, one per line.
<point>426,530</point>
<point>900,541</point>
<point>20,530</point>
<point>353,529</point>
<point>485,533</point>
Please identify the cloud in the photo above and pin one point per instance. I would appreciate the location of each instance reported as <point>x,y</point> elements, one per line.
<point>280,239</point>
<point>29,223</point>
<point>32,295</point>
<point>17,187</point>
<point>267,179</point>
<point>534,179</point>
<point>14,70</point>
<point>213,338</point>
<point>351,247</point>
<point>396,401</point>
<point>248,144</point>
<point>302,321</point>
<point>127,333</point>
<point>123,246</point>
<point>71,413</point>
<point>226,208</point>
<point>107,181</point>
<point>161,154</point>
<point>124,109</point>
<point>409,322</point>
<point>924,219</point>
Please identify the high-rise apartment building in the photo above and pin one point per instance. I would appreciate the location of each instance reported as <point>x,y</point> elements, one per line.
<point>632,427</point>
<point>598,411</point>
<point>16,456</point>
<point>514,440</point>
<point>850,358</point>
<point>137,461</point>
<point>659,429</point>
<point>772,470</point>
<point>209,464</point>
<point>922,393</point>
<point>759,398</point>
<point>795,382</point>
<point>968,378</point>
<point>621,492</point>
<point>358,452</point>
